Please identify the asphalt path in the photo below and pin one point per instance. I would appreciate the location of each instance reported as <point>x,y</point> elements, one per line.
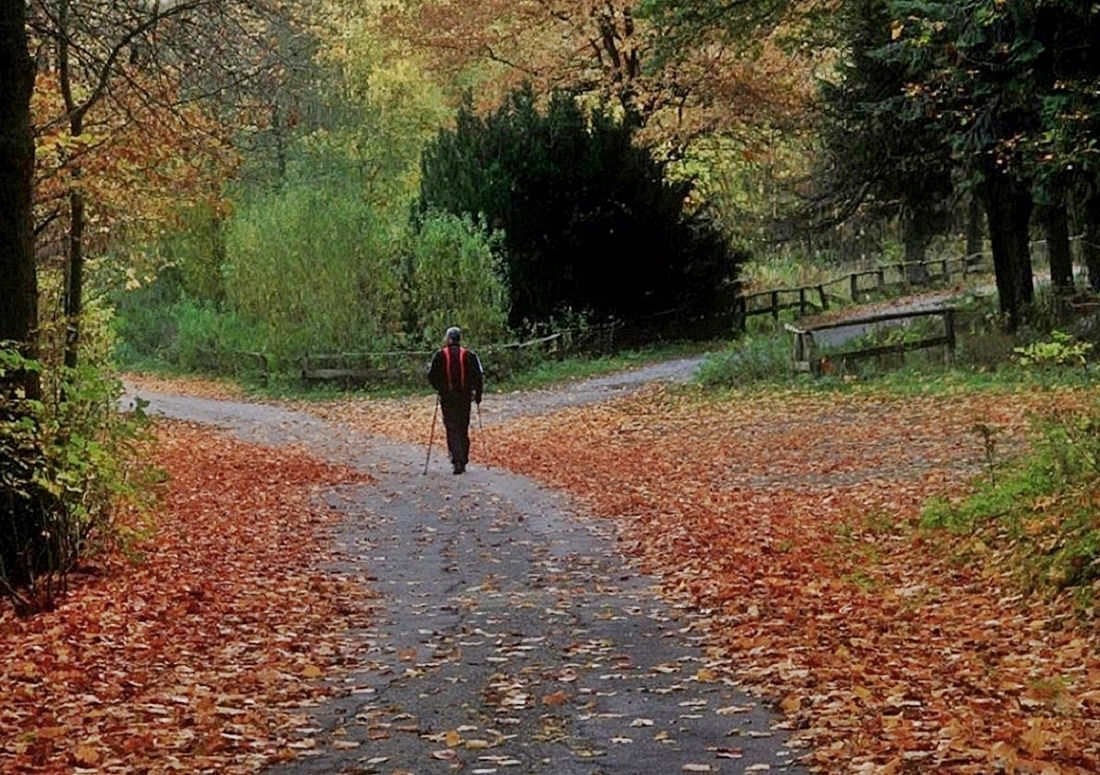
<point>511,636</point>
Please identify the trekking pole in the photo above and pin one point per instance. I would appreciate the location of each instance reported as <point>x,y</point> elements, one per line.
<point>480,427</point>
<point>431,436</point>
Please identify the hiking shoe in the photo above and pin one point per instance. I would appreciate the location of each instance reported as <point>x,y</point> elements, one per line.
<point>459,468</point>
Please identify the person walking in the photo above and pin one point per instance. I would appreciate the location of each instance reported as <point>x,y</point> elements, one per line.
<point>456,375</point>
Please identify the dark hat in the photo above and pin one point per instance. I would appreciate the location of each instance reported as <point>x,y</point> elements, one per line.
<point>454,335</point>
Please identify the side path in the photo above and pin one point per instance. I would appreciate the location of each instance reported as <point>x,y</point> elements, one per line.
<point>512,637</point>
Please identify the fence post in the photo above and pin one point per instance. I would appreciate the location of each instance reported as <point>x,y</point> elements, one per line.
<point>821,293</point>
<point>949,334</point>
<point>809,352</point>
<point>880,278</point>
<point>741,313</point>
<point>775,305</point>
<point>855,286</point>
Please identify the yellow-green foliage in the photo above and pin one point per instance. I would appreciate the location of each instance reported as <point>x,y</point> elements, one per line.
<point>455,279</point>
<point>316,269</point>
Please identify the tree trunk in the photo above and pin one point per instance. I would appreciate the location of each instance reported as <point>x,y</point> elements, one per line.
<point>21,500</point>
<point>74,278</point>
<point>74,268</point>
<point>975,227</point>
<point>1056,230</point>
<point>18,280</point>
<point>1008,206</point>
<point>1091,246</point>
<point>916,242</point>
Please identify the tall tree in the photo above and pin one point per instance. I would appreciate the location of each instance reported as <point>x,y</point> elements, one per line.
<point>126,72</point>
<point>970,65</point>
<point>607,51</point>
<point>19,289</point>
<point>1013,86</point>
<point>879,156</point>
<point>590,222</point>
<point>1063,151</point>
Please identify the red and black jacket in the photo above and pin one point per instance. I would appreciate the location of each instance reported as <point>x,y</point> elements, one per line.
<point>456,373</point>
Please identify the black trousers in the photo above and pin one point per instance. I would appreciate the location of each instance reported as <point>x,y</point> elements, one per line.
<point>456,419</point>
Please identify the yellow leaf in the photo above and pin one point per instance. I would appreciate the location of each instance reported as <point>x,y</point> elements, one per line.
<point>312,671</point>
<point>86,755</point>
<point>790,704</point>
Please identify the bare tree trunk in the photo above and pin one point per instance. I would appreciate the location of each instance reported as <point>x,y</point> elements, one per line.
<point>914,236</point>
<point>18,280</point>
<point>975,226</point>
<point>20,499</point>
<point>1008,206</point>
<point>74,268</point>
<point>1056,230</point>
<point>74,278</point>
<point>1091,247</point>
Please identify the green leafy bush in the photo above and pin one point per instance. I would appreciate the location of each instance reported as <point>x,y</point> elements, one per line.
<point>69,467</point>
<point>453,278</point>
<point>751,360</point>
<point>1061,350</point>
<point>315,270</point>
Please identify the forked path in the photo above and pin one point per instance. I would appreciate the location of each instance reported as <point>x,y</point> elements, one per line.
<point>511,636</point>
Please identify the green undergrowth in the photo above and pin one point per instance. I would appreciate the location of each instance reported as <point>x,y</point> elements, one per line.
<point>73,478</point>
<point>1039,515</point>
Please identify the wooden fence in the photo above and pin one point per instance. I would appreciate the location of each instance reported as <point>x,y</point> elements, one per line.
<point>366,369</point>
<point>380,369</point>
<point>860,285</point>
<point>362,369</point>
<point>806,353</point>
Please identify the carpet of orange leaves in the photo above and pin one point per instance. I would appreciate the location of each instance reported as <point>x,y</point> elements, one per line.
<point>200,656</point>
<point>197,387</point>
<point>790,521</point>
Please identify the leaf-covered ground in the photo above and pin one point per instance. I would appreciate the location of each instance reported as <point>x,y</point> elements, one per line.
<point>791,520</point>
<point>788,518</point>
<point>200,656</point>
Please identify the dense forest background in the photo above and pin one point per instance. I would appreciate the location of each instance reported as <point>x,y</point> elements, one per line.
<point>327,176</point>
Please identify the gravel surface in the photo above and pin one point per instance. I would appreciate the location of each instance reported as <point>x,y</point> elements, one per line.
<point>512,637</point>
<point>508,406</point>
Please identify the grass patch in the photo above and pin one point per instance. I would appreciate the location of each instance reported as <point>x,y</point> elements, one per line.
<point>753,360</point>
<point>1039,515</point>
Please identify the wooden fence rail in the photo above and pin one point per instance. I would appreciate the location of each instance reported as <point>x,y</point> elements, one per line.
<point>805,353</point>
<point>816,297</point>
<point>400,367</point>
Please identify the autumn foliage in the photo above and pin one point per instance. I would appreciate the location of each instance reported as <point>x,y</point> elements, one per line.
<point>144,155</point>
<point>792,522</point>
<point>199,654</point>
<point>607,49</point>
